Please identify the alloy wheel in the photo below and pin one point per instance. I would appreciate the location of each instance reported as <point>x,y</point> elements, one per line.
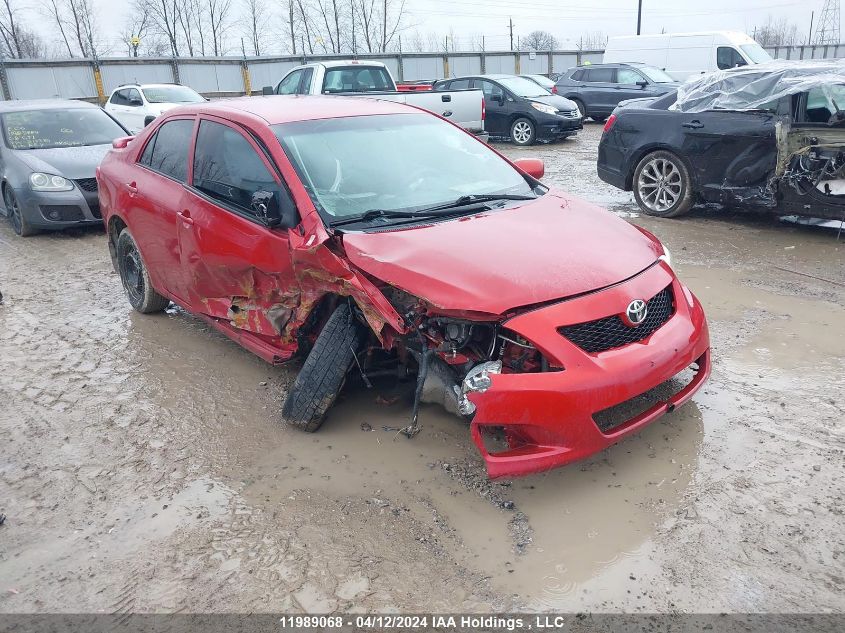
<point>521,132</point>
<point>13,212</point>
<point>660,184</point>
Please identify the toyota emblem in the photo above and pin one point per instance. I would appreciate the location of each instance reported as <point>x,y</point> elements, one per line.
<point>636,312</point>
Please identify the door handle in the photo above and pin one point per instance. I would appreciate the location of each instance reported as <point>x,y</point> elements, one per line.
<point>446,98</point>
<point>186,218</point>
<point>447,113</point>
<point>693,125</point>
<point>132,188</point>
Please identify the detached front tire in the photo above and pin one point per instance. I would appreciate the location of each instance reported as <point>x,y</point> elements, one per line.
<point>523,132</point>
<point>136,280</point>
<point>662,185</point>
<point>322,376</point>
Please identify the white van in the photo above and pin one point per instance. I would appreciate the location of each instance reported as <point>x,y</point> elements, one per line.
<point>684,55</point>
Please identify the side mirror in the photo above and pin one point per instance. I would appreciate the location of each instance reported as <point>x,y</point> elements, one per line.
<point>148,119</point>
<point>499,98</point>
<point>267,91</point>
<point>534,167</point>
<point>122,142</point>
<point>642,84</point>
<point>266,206</point>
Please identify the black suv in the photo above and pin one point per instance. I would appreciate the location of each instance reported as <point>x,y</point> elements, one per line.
<point>599,88</point>
<point>519,109</point>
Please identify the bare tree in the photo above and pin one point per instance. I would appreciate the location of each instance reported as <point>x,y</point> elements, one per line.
<point>594,41</point>
<point>254,25</point>
<point>219,17</point>
<point>538,41</point>
<point>10,30</point>
<point>165,15</point>
<point>778,32</point>
<point>75,21</point>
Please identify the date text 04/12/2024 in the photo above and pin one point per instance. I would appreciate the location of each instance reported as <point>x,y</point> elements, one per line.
<point>504,623</point>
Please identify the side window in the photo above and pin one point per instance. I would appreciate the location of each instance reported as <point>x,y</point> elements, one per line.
<point>290,84</point>
<point>227,168</point>
<point>600,75</point>
<point>818,108</point>
<point>578,75</point>
<point>460,84</point>
<point>305,84</point>
<point>116,98</point>
<point>728,57</point>
<point>491,90</point>
<point>628,76</point>
<point>133,98</point>
<point>167,151</point>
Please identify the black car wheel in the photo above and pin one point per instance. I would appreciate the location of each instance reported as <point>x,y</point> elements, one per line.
<point>324,372</point>
<point>522,132</point>
<point>662,185</point>
<point>136,280</point>
<point>14,215</point>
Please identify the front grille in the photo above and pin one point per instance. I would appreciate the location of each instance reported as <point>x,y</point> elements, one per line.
<point>62,212</point>
<point>572,114</point>
<point>611,332</point>
<point>87,184</point>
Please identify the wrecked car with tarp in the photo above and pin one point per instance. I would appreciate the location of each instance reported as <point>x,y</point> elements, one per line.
<point>370,238</point>
<point>769,137</point>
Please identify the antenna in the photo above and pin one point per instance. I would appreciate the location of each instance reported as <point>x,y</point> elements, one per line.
<point>827,31</point>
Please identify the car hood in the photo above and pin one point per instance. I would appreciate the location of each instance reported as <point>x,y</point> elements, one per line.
<point>70,162</point>
<point>555,247</point>
<point>556,101</point>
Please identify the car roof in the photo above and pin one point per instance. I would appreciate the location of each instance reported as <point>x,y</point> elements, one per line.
<point>277,109</point>
<point>43,104</point>
<point>348,62</point>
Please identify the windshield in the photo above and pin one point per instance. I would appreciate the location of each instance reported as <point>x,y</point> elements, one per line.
<point>171,94</point>
<point>656,75</point>
<point>523,87</point>
<point>46,129</point>
<point>543,81</point>
<point>756,53</point>
<point>392,162</point>
<point>357,79</point>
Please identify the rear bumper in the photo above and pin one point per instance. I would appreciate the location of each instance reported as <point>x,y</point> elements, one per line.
<point>548,418</point>
<point>611,176</point>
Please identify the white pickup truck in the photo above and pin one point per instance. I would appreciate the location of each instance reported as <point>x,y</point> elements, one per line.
<point>373,79</point>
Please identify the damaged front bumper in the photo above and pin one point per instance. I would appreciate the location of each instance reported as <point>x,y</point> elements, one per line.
<point>550,418</point>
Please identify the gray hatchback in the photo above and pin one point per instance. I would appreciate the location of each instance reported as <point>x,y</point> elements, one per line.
<point>48,159</point>
<point>597,89</point>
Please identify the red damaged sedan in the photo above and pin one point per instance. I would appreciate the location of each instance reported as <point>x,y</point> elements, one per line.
<point>359,235</point>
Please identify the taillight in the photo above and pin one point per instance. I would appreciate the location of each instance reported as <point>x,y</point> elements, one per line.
<point>483,110</point>
<point>609,123</point>
<point>554,90</point>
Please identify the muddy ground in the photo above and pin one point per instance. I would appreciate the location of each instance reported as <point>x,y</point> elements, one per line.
<point>143,466</point>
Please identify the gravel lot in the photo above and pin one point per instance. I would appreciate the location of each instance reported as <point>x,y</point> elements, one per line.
<point>144,468</point>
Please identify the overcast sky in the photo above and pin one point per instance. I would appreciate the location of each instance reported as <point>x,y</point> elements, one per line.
<point>565,19</point>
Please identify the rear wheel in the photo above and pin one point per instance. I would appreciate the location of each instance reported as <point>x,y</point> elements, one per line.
<point>324,372</point>
<point>522,132</point>
<point>662,185</point>
<point>13,213</point>
<point>136,280</point>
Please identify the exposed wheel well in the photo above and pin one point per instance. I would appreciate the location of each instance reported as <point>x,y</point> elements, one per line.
<point>116,225</point>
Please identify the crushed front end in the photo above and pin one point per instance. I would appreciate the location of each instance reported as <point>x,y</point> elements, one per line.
<point>539,382</point>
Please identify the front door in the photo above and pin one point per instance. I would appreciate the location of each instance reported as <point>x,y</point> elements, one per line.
<point>233,267</point>
<point>497,122</point>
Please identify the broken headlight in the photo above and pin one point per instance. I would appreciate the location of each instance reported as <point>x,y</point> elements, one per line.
<point>478,379</point>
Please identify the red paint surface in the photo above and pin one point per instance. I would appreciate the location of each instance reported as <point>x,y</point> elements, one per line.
<point>579,262</point>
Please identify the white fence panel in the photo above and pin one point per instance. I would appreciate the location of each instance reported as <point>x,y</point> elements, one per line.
<point>115,75</point>
<point>462,65</point>
<point>51,82</point>
<point>422,68</point>
<point>564,61</point>
<point>211,77</point>
<point>500,64</point>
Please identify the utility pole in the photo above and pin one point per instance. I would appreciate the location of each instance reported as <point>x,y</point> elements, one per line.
<point>810,34</point>
<point>639,16</point>
<point>510,25</point>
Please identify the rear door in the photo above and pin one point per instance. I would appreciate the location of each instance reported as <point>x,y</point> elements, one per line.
<point>153,196</point>
<point>233,267</point>
<point>599,91</point>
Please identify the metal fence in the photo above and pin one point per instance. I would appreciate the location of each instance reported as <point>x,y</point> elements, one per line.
<point>228,76</point>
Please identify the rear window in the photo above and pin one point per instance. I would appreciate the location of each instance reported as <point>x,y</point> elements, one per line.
<point>171,94</point>
<point>167,151</point>
<point>356,79</point>
<point>600,75</point>
<point>46,129</point>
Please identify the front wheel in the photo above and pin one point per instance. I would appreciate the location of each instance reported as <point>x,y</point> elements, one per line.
<point>662,185</point>
<point>324,372</point>
<point>136,280</point>
<point>522,132</point>
<point>14,214</point>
